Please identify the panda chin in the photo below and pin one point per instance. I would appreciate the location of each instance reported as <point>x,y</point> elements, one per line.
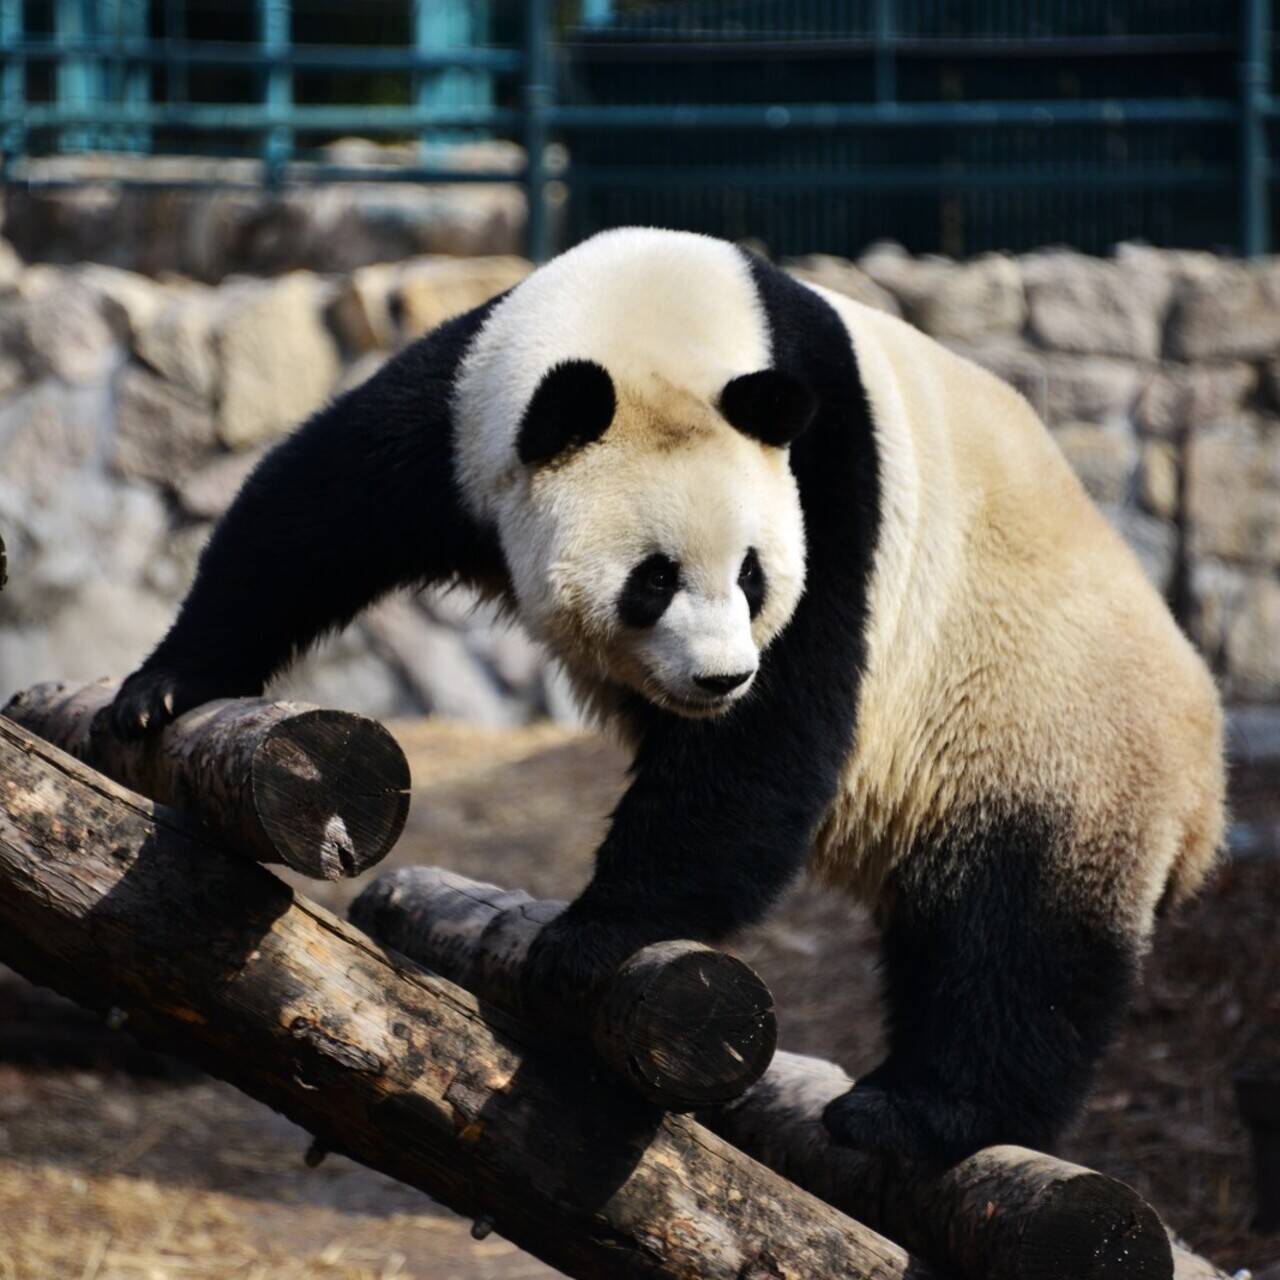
<point>689,708</point>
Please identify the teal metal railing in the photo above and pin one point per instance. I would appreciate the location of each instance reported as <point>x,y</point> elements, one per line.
<point>692,106</point>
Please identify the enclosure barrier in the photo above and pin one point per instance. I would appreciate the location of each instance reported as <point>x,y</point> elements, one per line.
<point>102,100</point>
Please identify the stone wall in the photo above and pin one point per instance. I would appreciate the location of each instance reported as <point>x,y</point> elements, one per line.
<point>131,409</point>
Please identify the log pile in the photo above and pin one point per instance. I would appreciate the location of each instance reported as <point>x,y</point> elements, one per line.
<point>119,903</point>
<point>1003,1214</point>
<point>125,905</point>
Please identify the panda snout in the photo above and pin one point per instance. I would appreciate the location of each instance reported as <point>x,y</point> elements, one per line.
<point>721,685</point>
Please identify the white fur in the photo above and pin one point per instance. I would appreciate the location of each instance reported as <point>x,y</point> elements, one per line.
<point>672,317</point>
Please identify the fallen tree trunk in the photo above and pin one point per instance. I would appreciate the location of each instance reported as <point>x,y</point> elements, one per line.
<point>1005,1213</point>
<point>324,792</point>
<point>123,905</point>
<point>685,1025</point>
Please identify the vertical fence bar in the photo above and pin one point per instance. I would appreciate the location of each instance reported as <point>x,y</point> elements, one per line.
<point>273,35</point>
<point>597,13</point>
<point>73,79</point>
<point>886,62</point>
<point>136,89</point>
<point>1255,89</point>
<point>13,86</point>
<point>438,26</point>
<point>175,33</point>
<point>537,103</point>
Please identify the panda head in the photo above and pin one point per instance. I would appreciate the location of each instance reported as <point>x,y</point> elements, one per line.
<point>655,538</point>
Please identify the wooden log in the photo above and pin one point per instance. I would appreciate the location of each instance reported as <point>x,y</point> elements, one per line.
<point>323,792</point>
<point>118,902</point>
<point>685,1025</point>
<point>1005,1213</point>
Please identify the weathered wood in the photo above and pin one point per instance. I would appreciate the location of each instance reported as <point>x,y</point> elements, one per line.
<point>1006,1213</point>
<point>324,792</point>
<point>687,1026</point>
<point>117,902</point>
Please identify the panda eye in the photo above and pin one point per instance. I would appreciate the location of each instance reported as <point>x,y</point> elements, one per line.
<point>648,591</point>
<point>661,574</point>
<point>751,581</point>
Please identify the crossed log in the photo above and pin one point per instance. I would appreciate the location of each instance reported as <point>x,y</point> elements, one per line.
<point>124,905</point>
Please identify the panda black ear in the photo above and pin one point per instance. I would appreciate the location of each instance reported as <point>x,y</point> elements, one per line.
<point>771,406</point>
<point>572,407</point>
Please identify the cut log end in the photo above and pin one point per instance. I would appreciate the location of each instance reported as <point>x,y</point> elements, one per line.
<point>689,1026</point>
<point>331,791</point>
<point>1094,1227</point>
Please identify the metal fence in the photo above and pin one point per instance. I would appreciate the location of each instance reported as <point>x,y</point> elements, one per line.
<point>810,124</point>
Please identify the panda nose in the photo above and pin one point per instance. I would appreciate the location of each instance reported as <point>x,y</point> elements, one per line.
<point>722,684</point>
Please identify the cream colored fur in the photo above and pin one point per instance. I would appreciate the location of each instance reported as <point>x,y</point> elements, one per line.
<point>1017,653</point>
<point>1017,650</point>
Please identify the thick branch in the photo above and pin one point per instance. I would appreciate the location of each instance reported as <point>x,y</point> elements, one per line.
<point>685,1025</point>
<point>324,792</point>
<point>1004,1214</point>
<point>118,903</point>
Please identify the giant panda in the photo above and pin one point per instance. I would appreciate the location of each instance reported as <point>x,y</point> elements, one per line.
<point>845,599</point>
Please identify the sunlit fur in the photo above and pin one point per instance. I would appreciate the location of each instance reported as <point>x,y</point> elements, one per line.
<point>1016,648</point>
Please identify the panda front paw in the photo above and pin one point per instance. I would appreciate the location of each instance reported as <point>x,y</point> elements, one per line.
<point>916,1125</point>
<point>152,698</point>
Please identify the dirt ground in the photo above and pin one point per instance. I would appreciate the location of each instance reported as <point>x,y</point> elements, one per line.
<point>108,1175</point>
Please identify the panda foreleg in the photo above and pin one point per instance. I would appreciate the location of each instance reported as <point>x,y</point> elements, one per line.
<point>1004,982</point>
<point>360,499</point>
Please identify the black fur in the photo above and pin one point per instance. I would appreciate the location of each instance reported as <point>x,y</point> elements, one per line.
<point>358,500</point>
<point>771,405</point>
<point>720,814</point>
<point>649,589</point>
<point>752,582</point>
<point>572,407</point>
<point>1002,993</point>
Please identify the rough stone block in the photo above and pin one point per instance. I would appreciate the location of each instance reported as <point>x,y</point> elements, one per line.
<point>1093,307</point>
<point>958,302</point>
<point>360,312</point>
<point>162,431</point>
<point>1159,479</point>
<point>48,434</point>
<point>53,325</point>
<point>1235,619</point>
<point>1179,398</point>
<point>1231,313</point>
<point>1233,491</point>
<point>177,342</point>
<point>278,360</point>
<point>433,290</point>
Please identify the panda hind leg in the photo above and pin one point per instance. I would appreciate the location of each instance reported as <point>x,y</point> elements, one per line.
<point>1003,989</point>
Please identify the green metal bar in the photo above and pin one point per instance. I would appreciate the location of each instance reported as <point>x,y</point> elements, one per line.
<point>886,65</point>
<point>538,106</point>
<point>175,32</point>
<point>73,75</point>
<point>901,114</point>
<point>889,177</point>
<point>215,53</point>
<point>13,85</point>
<point>277,144</point>
<point>261,118</point>
<point>1255,90</point>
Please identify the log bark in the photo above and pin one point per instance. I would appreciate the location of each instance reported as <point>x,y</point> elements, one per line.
<point>119,903</point>
<point>323,792</point>
<point>685,1025</point>
<point>1005,1213</point>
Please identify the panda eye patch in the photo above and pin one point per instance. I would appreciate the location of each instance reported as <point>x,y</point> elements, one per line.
<point>648,590</point>
<point>751,581</point>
